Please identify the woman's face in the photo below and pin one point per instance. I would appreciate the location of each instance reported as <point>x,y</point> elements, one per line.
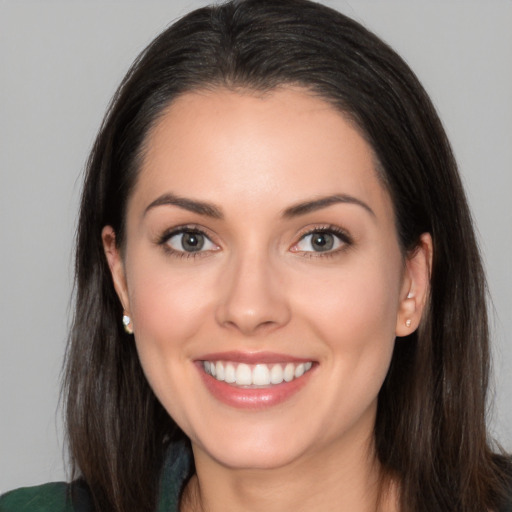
<point>263,276</point>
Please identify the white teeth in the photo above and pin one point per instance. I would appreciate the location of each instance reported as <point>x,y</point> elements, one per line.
<point>229,374</point>
<point>261,375</point>
<point>299,371</point>
<point>242,374</point>
<point>289,372</point>
<point>276,374</point>
<point>219,371</point>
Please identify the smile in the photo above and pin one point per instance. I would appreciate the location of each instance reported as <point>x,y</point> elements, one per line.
<point>255,375</point>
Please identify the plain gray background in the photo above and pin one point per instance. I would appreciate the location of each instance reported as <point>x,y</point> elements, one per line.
<point>60,62</point>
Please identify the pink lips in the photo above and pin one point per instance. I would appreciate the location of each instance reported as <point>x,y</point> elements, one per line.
<point>252,397</point>
<point>252,357</point>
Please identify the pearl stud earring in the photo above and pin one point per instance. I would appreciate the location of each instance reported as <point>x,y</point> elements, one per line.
<point>127,324</point>
<point>408,322</point>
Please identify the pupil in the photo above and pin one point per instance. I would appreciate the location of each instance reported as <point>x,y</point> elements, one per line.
<point>192,241</point>
<point>322,241</point>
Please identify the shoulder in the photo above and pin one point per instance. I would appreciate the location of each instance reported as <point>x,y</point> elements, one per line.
<point>52,497</point>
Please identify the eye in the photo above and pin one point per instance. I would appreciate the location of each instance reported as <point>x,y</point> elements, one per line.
<point>322,240</point>
<point>189,240</point>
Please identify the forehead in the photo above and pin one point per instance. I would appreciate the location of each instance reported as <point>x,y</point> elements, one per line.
<point>275,147</point>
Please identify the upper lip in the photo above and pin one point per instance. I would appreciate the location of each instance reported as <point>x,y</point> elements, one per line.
<point>252,357</point>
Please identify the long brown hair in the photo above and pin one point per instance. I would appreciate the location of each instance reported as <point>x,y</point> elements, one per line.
<point>430,431</point>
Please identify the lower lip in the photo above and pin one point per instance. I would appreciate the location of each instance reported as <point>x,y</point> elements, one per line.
<point>253,398</point>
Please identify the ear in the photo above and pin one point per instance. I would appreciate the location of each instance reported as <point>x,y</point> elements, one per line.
<point>415,286</point>
<point>115,263</point>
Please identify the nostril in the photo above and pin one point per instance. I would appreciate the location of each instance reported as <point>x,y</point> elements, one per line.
<point>251,327</point>
<point>250,300</point>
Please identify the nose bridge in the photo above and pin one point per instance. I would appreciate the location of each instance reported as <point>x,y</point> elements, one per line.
<point>252,297</point>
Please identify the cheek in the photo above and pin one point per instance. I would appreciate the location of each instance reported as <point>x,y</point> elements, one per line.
<point>354,312</point>
<point>358,299</point>
<point>169,308</point>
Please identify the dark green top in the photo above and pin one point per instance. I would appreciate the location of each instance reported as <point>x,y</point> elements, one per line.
<point>55,497</point>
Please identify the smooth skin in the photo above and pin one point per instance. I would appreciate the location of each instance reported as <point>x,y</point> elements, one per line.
<point>263,281</point>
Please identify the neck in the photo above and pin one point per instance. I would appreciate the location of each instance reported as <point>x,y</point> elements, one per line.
<point>345,478</point>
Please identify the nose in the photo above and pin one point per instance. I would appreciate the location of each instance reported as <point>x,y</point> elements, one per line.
<point>253,299</point>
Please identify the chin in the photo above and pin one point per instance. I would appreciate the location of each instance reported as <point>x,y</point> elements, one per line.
<point>252,456</point>
<point>259,447</point>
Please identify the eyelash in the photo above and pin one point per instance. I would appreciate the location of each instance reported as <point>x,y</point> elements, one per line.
<point>345,239</point>
<point>342,235</point>
<point>167,235</point>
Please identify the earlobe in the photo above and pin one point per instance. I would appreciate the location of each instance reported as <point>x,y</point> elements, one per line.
<point>416,286</point>
<point>116,266</point>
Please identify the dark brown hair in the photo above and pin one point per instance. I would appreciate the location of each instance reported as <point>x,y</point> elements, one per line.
<point>430,431</point>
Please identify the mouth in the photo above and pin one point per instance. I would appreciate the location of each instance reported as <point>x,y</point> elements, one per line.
<point>254,381</point>
<point>254,376</point>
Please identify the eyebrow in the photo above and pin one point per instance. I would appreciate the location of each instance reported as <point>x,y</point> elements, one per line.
<point>324,202</point>
<point>213,211</point>
<point>192,205</point>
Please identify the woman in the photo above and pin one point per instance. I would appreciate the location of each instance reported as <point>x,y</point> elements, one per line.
<point>280,302</point>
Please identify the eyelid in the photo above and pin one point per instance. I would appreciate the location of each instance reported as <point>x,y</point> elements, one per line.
<point>187,228</point>
<point>341,234</point>
<point>168,233</point>
<point>208,245</point>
